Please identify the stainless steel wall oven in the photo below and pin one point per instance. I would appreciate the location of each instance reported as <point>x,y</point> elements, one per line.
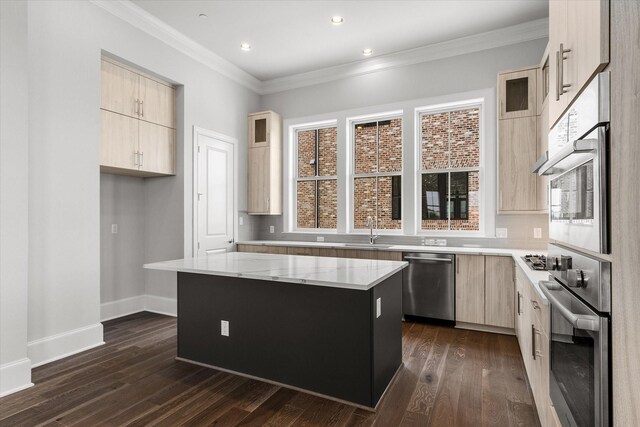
<point>577,167</point>
<point>579,289</point>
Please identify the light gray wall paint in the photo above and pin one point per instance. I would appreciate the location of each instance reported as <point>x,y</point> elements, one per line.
<point>122,202</point>
<point>65,43</point>
<point>14,168</point>
<point>447,76</point>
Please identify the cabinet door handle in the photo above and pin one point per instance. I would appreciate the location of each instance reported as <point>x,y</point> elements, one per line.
<point>142,108</point>
<point>268,200</point>
<point>560,58</point>
<point>136,107</point>
<point>519,303</point>
<point>141,158</point>
<point>135,158</point>
<point>533,341</point>
<point>558,67</point>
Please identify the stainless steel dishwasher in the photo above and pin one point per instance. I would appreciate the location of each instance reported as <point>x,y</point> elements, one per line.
<point>428,288</point>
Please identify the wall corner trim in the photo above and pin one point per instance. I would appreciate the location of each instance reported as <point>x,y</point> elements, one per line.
<point>123,307</point>
<point>58,346</point>
<point>15,376</point>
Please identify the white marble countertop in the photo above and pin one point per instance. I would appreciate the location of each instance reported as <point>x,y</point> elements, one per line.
<point>359,274</point>
<point>517,254</point>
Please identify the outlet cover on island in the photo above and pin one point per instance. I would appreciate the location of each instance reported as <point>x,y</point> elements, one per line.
<point>501,233</point>
<point>320,238</point>
<point>241,220</point>
<point>224,328</point>
<point>114,228</point>
<point>272,229</point>
<point>537,233</point>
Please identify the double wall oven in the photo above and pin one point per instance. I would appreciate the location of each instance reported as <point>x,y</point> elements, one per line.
<point>579,285</point>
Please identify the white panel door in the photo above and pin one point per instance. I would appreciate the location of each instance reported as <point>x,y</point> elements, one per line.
<point>215,194</point>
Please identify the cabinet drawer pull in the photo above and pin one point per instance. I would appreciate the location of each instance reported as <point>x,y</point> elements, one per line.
<point>561,86</point>
<point>519,303</point>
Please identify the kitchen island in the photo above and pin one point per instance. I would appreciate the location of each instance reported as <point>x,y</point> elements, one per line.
<point>329,326</point>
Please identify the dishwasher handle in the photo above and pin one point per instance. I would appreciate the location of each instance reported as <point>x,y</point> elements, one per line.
<point>431,259</point>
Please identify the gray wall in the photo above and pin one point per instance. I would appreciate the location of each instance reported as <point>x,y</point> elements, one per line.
<point>15,367</point>
<point>122,202</point>
<point>447,76</point>
<point>66,40</point>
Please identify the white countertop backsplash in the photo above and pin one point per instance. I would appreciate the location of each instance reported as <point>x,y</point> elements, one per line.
<point>347,273</point>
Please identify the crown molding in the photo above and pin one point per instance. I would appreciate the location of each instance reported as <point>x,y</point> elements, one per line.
<point>532,30</point>
<point>144,21</point>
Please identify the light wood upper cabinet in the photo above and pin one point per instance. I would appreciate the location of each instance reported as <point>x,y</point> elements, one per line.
<point>157,103</point>
<point>118,89</point>
<point>157,148</point>
<point>264,195</point>
<point>118,140</point>
<point>517,152</point>
<point>579,48</point>
<point>499,290</point>
<point>517,94</point>
<point>470,288</point>
<point>138,123</point>
<point>260,128</point>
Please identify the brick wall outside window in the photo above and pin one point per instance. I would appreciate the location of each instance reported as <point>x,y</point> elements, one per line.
<point>377,150</point>
<point>316,195</point>
<point>451,140</point>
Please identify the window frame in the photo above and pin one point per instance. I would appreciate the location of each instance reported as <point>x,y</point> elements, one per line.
<point>351,123</point>
<point>293,193</point>
<point>480,169</point>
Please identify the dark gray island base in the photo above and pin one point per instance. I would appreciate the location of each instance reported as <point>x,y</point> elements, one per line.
<point>324,340</point>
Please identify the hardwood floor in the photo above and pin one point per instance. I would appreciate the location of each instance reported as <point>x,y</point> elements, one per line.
<point>451,377</point>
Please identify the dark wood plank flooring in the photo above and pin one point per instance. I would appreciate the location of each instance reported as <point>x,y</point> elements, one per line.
<point>451,377</point>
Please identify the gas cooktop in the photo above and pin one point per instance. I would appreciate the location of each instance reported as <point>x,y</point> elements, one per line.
<point>536,262</point>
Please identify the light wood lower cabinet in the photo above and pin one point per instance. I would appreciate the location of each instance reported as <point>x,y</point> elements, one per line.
<point>532,330</point>
<point>470,288</point>
<point>499,290</point>
<point>484,290</point>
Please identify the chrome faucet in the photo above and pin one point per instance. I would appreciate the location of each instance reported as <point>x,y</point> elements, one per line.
<point>372,238</point>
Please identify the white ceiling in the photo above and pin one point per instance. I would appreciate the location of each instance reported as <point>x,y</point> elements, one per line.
<point>292,37</point>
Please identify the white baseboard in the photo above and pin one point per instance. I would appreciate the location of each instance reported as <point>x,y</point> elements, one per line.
<point>161,305</point>
<point>123,307</point>
<point>15,376</point>
<point>58,346</point>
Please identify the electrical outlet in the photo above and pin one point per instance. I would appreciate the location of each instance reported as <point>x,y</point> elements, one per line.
<point>320,238</point>
<point>441,242</point>
<point>429,242</point>
<point>272,229</point>
<point>114,228</point>
<point>224,328</point>
<point>378,307</point>
<point>241,220</point>
<point>502,233</point>
<point>537,233</point>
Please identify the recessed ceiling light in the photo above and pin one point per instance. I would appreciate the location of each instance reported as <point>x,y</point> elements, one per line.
<point>245,46</point>
<point>337,20</point>
<point>367,52</point>
<point>203,16</point>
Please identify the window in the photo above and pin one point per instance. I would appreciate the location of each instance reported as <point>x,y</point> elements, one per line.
<point>316,178</point>
<point>450,169</point>
<point>377,166</point>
